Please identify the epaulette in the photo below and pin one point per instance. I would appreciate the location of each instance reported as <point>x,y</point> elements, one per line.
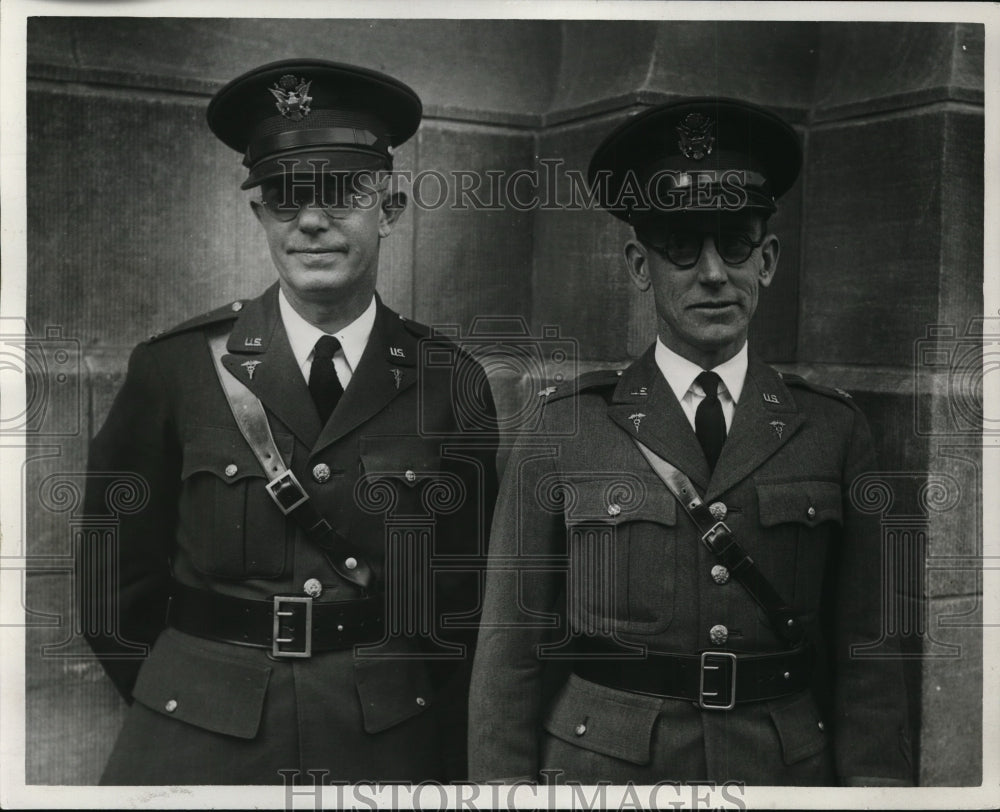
<point>229,311</point>
<point>415,327</point>
<point>599,379</point>
<point>799,382</point>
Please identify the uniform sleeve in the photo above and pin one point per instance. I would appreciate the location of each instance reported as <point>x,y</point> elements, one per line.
<point>506,696</point>
<point>132,488</point>
<point>871,729</point>
<point>465,533</point>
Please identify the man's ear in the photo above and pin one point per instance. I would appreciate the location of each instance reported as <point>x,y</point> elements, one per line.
<point>637,262</point>
<point>393,204</point>
<point>770,250</point>
<point>258,209</point>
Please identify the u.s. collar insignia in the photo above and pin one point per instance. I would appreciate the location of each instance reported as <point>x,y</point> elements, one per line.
<point>695,137</point>
<point>250,367</point>
<point>769,398</point>
<point>292,96</point>
<point>778,427</point>
<point>636,420</point>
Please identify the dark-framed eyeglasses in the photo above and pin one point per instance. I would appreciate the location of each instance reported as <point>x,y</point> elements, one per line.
<point>337,198</point>
<point>683,247</point>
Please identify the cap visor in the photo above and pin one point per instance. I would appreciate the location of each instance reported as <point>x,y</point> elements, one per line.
<point>313,163</point>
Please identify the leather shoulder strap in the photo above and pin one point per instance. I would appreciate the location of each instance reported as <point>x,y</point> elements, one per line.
<point>719,539</point>
<point>282,485</point>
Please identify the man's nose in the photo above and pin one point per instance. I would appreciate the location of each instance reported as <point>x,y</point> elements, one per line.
<point>311,218</point>
<point>711,268</point>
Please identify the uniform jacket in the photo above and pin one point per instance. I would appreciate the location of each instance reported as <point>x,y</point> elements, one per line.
<point>784,475</point>
<point>409,471</point>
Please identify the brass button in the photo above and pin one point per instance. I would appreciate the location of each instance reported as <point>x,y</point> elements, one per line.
<point>231,470</point>
<point>237,307</point>
<point>811,513</point>
<point>410,476</point>
<point>718,634</point>
<point>720,574</point>
<point>321,473</point>
<point>351,563</point>
<point>580,729</point>
<point>787,675</point>
<point>718,511</point>
<point>614,509</point>
<point>171,706</point>
<point>421,701</point>
<point>313,588</point>
<point>820,726</point>
<point>340,627</point>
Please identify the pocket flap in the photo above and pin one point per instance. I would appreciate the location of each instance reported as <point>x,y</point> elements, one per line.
<point>391,689</point>
<point>226,453</point>
<point>618,498</point>
<point>603,720</point>
<point>409,459</point>
<point>808,503</point>
<point>194,685</point>
<point>799,728</point>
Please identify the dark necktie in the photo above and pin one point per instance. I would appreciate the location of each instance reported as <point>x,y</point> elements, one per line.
<point>709,422</point>
<point>324,385</point>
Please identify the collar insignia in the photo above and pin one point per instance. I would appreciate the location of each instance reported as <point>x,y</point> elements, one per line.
<point>251,367</point>
<point>548,390</point>
<point>397,376</point>
<point>769,398</point>
<point>778,427</point>
<point>636,420</point>
<point>292,96</point>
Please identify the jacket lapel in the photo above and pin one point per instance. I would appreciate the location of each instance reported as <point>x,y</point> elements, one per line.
<point>764,420</point>
<point>645,408</point>
<point>388,367</point>
<point>261,358</point>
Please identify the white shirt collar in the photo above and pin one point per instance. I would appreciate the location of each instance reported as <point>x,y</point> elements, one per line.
<point>680,372</point>
<point>303,336</point>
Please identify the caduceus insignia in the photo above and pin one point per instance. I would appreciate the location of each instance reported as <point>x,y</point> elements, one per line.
<point>292,96</point>
<point>695,137</point>
<point>397,376</point>
<point>636,419</point>
<point>778,427</point>
<point>250,367</point>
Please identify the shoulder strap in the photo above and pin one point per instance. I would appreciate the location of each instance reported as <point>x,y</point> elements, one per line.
<point>282,486</point>
<point>719,539</point>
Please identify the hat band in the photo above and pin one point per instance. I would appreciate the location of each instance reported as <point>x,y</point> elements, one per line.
<point>328,137</point>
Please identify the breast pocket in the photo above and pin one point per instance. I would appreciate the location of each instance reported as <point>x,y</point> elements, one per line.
<point>798,521</point>
<point>621,533</point>
<point>230,526</point>
<point>403,476</point>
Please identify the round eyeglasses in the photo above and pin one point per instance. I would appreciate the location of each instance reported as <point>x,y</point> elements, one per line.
<point>683,247</point>
<point>284,201</point>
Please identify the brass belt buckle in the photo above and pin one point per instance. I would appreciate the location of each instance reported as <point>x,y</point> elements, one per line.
<point>295,615</point>
<point>286,492</point>
<point>714,533</point>
<point>714,664</point>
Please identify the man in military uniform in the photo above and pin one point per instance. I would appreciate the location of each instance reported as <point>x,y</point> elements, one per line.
<point>683,590</point>
<point>298,471</point>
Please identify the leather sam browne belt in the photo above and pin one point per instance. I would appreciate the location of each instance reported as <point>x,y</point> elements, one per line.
<point>288,625</point>
<point>715,680</point>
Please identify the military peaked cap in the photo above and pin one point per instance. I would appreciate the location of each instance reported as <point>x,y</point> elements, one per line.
<point>309,116</point>
<point>696,154</point>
